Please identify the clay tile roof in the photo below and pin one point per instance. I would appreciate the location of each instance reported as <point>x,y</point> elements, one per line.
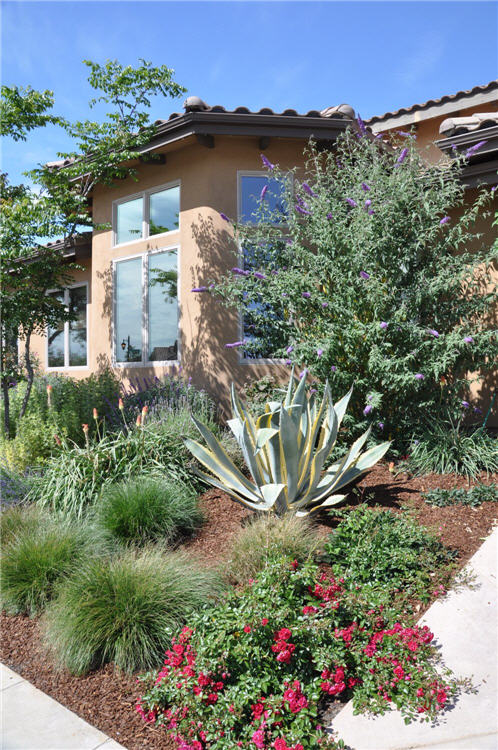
<point>488,87</point>
<point>195,104</point>
<point>478,121</point>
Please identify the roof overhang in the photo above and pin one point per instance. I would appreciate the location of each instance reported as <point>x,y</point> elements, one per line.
<point>483,165</point>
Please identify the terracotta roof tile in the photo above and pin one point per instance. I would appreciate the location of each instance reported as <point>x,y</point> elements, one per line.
<point>478,121</point>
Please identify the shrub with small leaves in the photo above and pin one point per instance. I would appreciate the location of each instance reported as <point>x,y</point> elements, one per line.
<point>473,497</point>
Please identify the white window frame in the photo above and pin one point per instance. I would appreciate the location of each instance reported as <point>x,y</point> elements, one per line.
<point>66,365</point>
<point>145,258</point>
<point>241,359</point>
<point>145,195</point>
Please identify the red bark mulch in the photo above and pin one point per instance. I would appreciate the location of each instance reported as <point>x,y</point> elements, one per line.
<point>106,698</point>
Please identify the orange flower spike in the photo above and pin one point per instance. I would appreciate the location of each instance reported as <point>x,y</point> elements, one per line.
<point>49,388</point>
<point>57,440</point>
<point>145,410</point>
<point>49,394</point>
<point>120,404</point>
<point>85,428</point>
<point>95,413</point>
<point>391,467</point>
<point>139,420</point>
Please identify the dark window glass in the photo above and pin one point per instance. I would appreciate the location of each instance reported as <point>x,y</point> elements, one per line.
<point>56,339</point>
<point>129,305</point>
<point>77,327</point>
<point>163,306</point>
<point>250,194</point>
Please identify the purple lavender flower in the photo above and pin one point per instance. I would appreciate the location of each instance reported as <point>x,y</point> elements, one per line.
<point>235,344</point>
<point>383,324</point>
<point>307,294</point>
<point>325,304</point>
<point>433,332</point>
<point>368,203</point>
<point>361,125</point>
<point>402,156</point>
<point>471,151</point>
<point>364,275</point>
<point>289,349</point>
<point>495,187</point>
<point>288,361</point>
<point>469,340</point>
<point>266,162</point>
<point>224,217</point>
<point>200,289</point>
<point>333,368</point>
<point>240,272</point>
<point>303,374</point>
<point>308,190</point>
<point>351,202</point>
<point>379,135</point>
<point>330,215</point>
<point>365,187</point>
<point>371,212</point>
<point>445,220</point>
<point>419,376</point>
<point>367,409</point>
<point>302,211</point>
<point>259,275</point>
<point>284,294</point>
<point>263,193</point>
<point>381,425</point>
<point>404,134</point>
<point>319,352</point>
<point>465,404</point>
<point>476,410</point>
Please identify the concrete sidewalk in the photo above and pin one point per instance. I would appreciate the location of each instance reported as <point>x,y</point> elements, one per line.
<point>465,625</point>
<point>32,720</point>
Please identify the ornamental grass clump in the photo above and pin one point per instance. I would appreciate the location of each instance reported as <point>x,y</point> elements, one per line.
<point>285,449</point>
<point>149,509</point>
<point>121,609</point>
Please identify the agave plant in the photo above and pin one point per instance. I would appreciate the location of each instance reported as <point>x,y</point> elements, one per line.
<point>285,450</point>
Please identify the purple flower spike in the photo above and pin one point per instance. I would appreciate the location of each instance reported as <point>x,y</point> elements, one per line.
<point>365,187</point>
<point>368,203</point>
<point>330,215</point>
<point>469,340</point>
<point>364,275</point>
<point>476,410</point>
<point>361,125</point>
<point>383,324</point>
<point>284,294</point>
<point>325,304</point>
<point>266,162</point>
<point>240,272</point>
<point>224,217</point>
<point>333,368</point>
<point>307,295</point>
<point>367,409</point>
<point>200,289</point>
<point>308,190</point>
<point>303,374</point>
<point>402,156</point>
<point>288,361</point>
<point>371,212</point>
<point>445,220</point>
<point>319,352</point>
<point>302,211</point>
<point>471,151</point>
<point>381,425</point>
<point>235,344</point>
<point>419,376</point>
<point>465,404</point>
<point>433,332</point>
<point>289,349</point>
<point>351,202</point>
<point>259,275</point>
<point>263,193</point>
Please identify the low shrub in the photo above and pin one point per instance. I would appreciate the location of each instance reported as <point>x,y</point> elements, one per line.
<point>14,486</point>
<point>473,497</point>
<point>32,445</point>
<point>270,538</point>
<point>120,609</point>
<point>19,519</point>
<point>387,552</point>
<point>447,449</point>
<point>257,669</point>
<point>149,509</point>
<point>38,557</point>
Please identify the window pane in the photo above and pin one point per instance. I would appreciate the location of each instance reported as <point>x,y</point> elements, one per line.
<point>128,294</point>
<point>163,306</point>
<point>77,328</point>
<point>251,187</point>
<point>56,339</point>
<point>164,209</point>
<point>129,218</point>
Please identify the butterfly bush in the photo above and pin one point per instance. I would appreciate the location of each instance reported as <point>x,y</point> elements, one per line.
<point>312,641</point>
<point>387,289</point>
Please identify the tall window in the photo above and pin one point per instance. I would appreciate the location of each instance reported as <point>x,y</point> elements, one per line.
<point>67,342</point>
<point>261,323</point>
<point>146,308</point>
<point>150,213</point>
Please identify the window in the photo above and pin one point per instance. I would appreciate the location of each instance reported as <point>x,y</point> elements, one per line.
<point>67,342</point>
<point>146,308</point>
<point>250,188</point>
<point>145,215</point>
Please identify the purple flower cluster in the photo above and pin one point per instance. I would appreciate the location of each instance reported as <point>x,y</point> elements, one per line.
<point>351,202</point>
<point>444,220</point>
<point>309,190</point>
<point>402,156</point>
<point>240,272</point>
<point>266,162</point>
<point>472,150</point>
<point>364,275</point>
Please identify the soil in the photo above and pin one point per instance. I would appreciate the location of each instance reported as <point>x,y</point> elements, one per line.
<point>106,698</point>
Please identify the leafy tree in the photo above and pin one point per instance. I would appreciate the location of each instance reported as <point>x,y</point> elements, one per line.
<point>24,109</point>
<point>378,278</point>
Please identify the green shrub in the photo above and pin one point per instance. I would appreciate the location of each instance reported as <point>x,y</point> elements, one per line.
<point>121,610</point>
<point>74,479</point>
<point>32,445</point>
<point>270,538</point>
<point>37,558</point>
<point>473,497</point>
<point>388,551</point>
<point>14,486</point>
<point>19,519</point>
<point>447,448</point>
<point>149,509</point>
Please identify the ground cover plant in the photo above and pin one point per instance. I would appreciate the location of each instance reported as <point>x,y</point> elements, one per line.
<point>285,448</point>
<point>373,273</point>
<point>148,509</point>
<point>312,641</point>
<point>120,609</point>
<point>473,496</point>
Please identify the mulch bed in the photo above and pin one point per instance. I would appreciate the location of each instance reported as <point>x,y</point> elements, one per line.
<point>106,698</point>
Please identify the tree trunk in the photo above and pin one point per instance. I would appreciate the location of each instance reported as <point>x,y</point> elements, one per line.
<point>6,408</point>
<point>31,374</point>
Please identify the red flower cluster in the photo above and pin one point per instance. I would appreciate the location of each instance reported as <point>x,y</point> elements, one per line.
<point>295,698</point>
<point>327,594</point>
<point>336,682</point>
<point>281,744</point>
<point>283,649</point>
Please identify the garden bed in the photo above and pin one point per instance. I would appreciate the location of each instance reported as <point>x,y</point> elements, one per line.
<point>106,698</point>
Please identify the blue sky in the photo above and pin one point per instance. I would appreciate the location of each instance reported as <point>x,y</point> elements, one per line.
<point>376,56</point>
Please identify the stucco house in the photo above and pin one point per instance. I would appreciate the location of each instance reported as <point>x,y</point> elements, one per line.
<point>209,164</point>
